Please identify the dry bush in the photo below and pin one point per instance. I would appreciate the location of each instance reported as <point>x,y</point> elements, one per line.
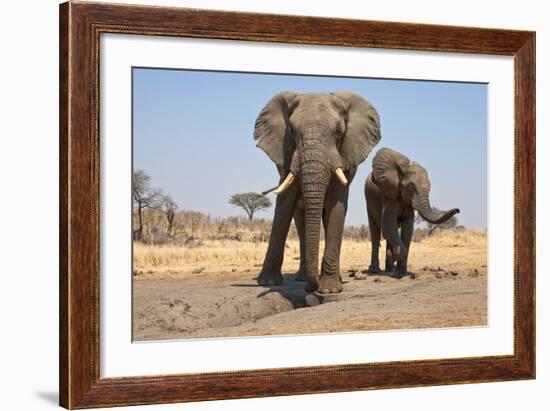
<point>360,233</point>
<point>190,227</point>
<point>419,234</point>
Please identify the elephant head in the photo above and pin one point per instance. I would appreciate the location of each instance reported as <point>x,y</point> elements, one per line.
<point>403,180</point>
<point>314,137</point>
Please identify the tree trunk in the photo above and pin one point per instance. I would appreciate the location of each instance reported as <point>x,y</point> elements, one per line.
<point>140,222</point>
<point>169,229</point>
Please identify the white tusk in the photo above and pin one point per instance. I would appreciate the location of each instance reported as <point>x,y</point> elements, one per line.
<point>340,174</point>
<point>285,184</point>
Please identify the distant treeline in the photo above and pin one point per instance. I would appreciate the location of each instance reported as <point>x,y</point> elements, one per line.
<point>157,219</point>
<point>191,228</point>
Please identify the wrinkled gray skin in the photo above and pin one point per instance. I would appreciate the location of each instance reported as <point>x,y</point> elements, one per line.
<point>311,136</point>
<point>395,188</point>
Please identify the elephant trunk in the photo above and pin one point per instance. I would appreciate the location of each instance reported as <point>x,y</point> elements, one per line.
<point>315,177</point>
<point>421,202</point>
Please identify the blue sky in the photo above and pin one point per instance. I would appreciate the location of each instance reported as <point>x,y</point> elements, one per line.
<point>192,133</point>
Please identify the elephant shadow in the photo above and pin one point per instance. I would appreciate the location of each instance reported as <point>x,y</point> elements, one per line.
<point>293,291</point>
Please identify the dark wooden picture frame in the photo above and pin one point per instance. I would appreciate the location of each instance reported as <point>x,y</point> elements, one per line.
<point>80,27</point>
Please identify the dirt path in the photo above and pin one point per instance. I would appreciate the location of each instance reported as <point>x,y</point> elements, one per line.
<point>236,306</point>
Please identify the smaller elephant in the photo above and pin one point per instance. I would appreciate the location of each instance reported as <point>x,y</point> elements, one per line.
<point>396,187</point>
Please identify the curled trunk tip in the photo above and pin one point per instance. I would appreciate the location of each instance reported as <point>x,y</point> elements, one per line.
<point>422,205</point>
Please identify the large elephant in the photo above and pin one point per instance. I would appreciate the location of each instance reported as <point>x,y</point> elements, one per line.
<point>396,187</point>
<point>318,139</point>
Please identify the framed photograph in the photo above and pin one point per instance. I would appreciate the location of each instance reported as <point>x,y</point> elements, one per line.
<point>261,205</point>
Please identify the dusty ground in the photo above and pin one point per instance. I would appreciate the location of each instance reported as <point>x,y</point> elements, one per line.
<point>210,291</point>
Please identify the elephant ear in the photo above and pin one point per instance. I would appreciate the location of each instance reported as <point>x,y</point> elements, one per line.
<point>388,168</point>
<point>362,129</point>
<point>272,129</point>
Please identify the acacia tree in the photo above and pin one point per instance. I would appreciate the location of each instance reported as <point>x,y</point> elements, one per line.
<point>144,196</point>
<point>169,208</point>
<point>250,202</point>
<point>447,225</point>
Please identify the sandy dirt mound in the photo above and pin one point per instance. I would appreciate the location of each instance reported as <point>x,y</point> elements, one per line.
<point>199,308</point>
<point>178,309</point>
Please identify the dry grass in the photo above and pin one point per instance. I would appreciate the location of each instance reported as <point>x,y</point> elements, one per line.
<point>171,256</point>
<point>454,238</point>
<point>210,291</point>
<point>449,249</point>
<point>452,250</point>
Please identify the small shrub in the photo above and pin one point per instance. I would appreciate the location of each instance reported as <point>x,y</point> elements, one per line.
<point>193,242</point>
<point>419,234</point>
<point>154,236</point>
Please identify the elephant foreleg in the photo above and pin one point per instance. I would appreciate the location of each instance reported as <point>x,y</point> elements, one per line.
<point>336,205</point>
<point>407,227</point>
<point>301,228</point>
<point>284,210</point>
<point>390,231</point>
